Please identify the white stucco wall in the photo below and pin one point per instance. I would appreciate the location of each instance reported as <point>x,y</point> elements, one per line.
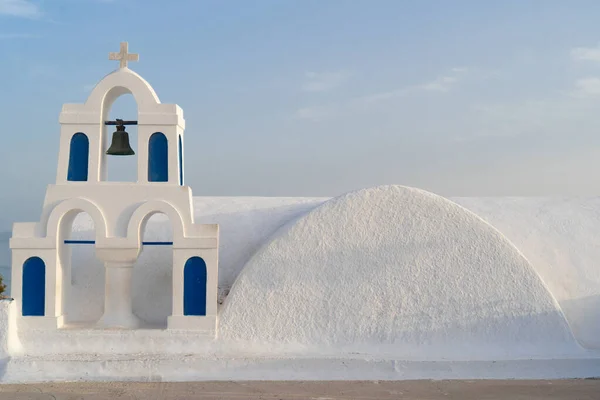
<point>354,287</point>
<point>4,328</point>
<point>249,223</point>
<point>559,236</point>
<point>10,344</point>
<point>245,224</point>
<point>394,271</point>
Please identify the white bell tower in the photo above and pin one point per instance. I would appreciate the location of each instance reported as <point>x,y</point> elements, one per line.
<point>120,211</point>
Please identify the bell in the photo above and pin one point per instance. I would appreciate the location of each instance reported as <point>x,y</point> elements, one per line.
<point>120,143</point>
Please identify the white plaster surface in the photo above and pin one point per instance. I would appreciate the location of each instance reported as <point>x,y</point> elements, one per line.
<point>249,222</point>
<point>245,224</point>
<point>383,283</point>
<point>560,237</point>
<point>394,271</point>
<point>189,368</point>
<point>4,328</point>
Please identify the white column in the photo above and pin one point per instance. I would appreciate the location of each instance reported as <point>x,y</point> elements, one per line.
<point>178,262</point>
<point>118,309</point>
<point>144,132</point>
<point>172,138</point>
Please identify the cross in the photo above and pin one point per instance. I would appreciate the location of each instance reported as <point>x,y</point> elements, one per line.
<point>123,56</point>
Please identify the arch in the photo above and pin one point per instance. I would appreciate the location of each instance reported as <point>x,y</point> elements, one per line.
<point>79,151</point>
<point>69,209</point>
<point>120,82</point>
<point>180,161</point>
<point>34,287</point>
<point>194,287</point>
<point>139,218</point>
<point>158,158</point>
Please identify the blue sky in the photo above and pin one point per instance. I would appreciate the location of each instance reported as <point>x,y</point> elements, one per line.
<point>319,97</point>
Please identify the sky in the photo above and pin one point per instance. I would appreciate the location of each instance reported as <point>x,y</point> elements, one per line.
<point>319,97</point>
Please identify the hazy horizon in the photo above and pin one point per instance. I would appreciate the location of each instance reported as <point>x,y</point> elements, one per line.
<point>313,98</point>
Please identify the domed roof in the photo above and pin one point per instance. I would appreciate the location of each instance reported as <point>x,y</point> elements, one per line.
<point>398,270</point>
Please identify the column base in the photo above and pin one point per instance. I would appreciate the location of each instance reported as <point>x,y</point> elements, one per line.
<point>49,323</point>
<point>206,323</point>
<point>119,321</point>
<point>118,310</point>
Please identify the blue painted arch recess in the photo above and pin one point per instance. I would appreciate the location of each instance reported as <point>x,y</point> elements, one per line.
<point>194,287</point>
<point>79,152</point>
<point>34,287</point>
<point>158,158</point>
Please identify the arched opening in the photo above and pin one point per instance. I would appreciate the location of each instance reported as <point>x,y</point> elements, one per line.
<point>34,287</point>
<point>121,168</point>
<point>83,273</point>
<point>158,158</point>
<point>79,151</point>
<point>194,287</point>
<point>180,152</point>
<point>153,272</point>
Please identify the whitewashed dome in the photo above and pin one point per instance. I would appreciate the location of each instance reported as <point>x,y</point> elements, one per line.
<point>397,269</point>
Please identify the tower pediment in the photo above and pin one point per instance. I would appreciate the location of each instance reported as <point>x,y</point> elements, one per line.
<point>119,82</point>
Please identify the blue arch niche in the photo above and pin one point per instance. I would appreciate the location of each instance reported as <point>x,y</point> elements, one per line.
<point>180,162</point>
<point>194,287</point>
<point>79,152</point>
<point>34,287</point>
<point>158,158</point>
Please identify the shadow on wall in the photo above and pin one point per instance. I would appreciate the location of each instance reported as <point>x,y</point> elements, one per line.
<point>151,283</point>
<point>493,338</point>
<point>242,233</point>
<point>3,367</point>
<point>499,337</point>
<point>8,332</point>
<point>85,300</point>
<point>584,313</point>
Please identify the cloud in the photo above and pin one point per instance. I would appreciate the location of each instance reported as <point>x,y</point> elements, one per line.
<point>556,113</point>
<point>442,83</point>
<point>587,87</point>
<point>325,81</point>
<point>20,8</point>
<point>560,113</point>
<point>446,82</point>
<point>586,54</point>
<point>316,113</point>
<point>382,96</point>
